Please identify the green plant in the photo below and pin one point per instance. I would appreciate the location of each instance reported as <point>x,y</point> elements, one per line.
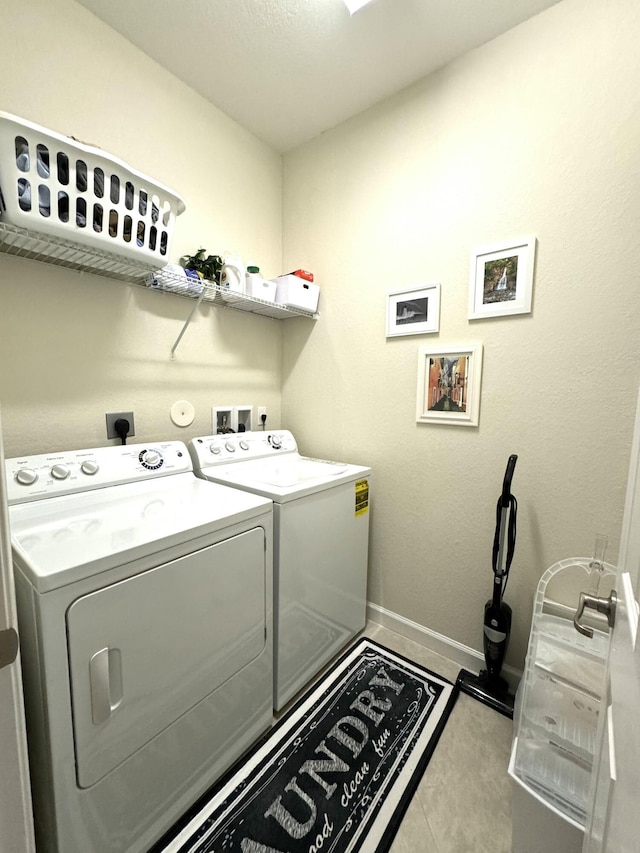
<point>209,267</point>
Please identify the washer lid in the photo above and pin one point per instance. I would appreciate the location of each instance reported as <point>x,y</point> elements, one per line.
<point>286,477</point>
<point>64,539</point>
<point>293,470</point>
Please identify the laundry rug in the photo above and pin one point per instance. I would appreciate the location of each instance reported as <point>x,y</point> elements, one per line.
<point>337,772</point>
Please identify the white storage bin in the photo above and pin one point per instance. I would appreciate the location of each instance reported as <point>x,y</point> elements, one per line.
<point>558,776</point>
<point>539,827</point>
<point>296,292</point>
<point>54,185</point>
<point>260,288</point>
<point>561,714</point>
<point>572,664</point>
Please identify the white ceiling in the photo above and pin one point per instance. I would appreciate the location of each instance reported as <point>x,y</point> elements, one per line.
<point>289,69</point>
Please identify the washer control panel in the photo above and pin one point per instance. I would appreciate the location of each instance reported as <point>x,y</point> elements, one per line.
<point>210,450</point>
<point>48,475</point>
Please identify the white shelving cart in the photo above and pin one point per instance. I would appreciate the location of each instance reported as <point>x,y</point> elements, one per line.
<point>557,707</point>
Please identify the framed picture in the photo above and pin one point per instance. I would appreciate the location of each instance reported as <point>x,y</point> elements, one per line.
<point>449,385</point>
<point>413,312</point>
<point>501,280</point>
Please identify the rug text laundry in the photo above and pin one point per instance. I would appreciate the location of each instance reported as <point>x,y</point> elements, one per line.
<point>296,809</point>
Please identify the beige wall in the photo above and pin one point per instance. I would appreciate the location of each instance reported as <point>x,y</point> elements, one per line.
<point>536,132</point>
<point>72,346</point>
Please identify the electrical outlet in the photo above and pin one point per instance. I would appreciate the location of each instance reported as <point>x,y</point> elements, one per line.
<point>262,410</point>
<point>112,417</point>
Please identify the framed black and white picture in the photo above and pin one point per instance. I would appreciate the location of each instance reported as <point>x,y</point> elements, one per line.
<point>413,312</point>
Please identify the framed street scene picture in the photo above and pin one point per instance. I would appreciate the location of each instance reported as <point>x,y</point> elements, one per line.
<point>449,385</point>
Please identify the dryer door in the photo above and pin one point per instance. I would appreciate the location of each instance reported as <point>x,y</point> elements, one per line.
<point>144,651</point>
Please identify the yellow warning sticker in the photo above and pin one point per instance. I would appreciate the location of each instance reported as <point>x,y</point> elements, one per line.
<point>362,497</point>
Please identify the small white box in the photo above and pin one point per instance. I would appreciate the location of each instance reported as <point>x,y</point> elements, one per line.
<point>296,292</point>
<point>260,288</point>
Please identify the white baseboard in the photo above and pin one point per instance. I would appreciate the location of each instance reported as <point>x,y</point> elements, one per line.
<point>465,656</point>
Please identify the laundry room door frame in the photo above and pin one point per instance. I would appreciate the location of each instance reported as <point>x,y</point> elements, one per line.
<point>16,817</point>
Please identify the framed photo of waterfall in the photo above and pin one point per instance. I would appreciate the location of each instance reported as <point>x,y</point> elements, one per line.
<point>501,279</point>
<point>413,312</point>
<point>449,385</point>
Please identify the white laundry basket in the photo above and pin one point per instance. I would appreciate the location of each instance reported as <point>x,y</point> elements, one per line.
<point>54,185</point>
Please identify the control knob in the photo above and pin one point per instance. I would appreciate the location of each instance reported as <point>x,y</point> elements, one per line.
<point>215,449</point>
<point>276,441</point>
<point>244,445</point>
<point>230,446</point>
<point>151,459</point>
<point>26,477</point>
<point>60,472</point>
<point>89,467</point>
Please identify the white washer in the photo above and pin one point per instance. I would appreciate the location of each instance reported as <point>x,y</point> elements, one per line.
<point>145,618</point>
<point>320,549</point>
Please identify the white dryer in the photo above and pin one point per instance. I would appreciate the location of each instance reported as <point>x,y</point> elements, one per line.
<point>145,617</point>
<point>320,549</point>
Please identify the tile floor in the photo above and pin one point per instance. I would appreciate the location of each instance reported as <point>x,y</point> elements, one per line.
<point>463,803</point>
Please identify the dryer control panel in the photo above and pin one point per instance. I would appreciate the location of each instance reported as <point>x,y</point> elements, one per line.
<point>48,475</point>
<point>210,450</point>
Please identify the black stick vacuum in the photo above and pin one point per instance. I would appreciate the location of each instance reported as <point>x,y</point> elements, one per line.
<point>488,687</point>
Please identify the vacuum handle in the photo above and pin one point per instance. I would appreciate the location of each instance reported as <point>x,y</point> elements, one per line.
<point>506,484</point>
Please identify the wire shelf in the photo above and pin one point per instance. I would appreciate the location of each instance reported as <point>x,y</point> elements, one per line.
<point>25,243</point>
<point>207,291</point>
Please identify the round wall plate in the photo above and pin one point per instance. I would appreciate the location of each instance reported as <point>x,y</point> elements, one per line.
<point>182,413</point>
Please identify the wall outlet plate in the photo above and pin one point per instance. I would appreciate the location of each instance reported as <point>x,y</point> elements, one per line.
<point>112,417</point>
